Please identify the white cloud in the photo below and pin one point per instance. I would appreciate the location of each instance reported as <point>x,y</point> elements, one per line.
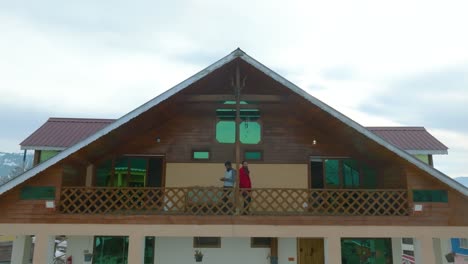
<point>106,58</point>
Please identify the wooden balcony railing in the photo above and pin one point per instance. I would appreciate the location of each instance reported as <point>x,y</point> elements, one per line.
<point>219,201</point>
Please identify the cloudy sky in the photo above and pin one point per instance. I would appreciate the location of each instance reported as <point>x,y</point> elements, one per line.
<point>379,62</point>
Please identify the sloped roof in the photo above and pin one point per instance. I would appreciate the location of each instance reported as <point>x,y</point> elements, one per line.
<point>414,140</point>
<point>61,133</point>
<point>237,54</point>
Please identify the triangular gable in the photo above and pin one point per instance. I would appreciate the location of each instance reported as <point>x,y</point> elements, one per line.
<point>179,87</point>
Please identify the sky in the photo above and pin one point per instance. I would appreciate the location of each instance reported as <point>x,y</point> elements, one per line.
<point>381,63</point>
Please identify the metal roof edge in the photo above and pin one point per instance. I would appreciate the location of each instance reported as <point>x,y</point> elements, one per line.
<point>119,122</point>
<point>361,129</point>
<point>426,152</point>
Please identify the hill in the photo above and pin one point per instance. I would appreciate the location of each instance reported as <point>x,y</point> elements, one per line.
<point>12,163</point>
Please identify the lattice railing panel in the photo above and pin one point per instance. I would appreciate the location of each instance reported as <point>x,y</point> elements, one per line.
<point>219,201</point>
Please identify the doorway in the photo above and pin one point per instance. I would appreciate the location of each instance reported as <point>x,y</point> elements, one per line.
<point>155,172</point>
<point>310,251</point>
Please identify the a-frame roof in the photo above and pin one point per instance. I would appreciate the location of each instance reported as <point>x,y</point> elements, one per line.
<point>237,54</point>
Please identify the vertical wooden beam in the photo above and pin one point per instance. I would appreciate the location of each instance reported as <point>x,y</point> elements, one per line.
<point>44,246</point>
<point>332,250</point>
<point>136,248</point>
<point>424,250</point>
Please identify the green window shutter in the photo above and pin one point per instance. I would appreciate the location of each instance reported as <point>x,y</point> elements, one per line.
<point>37,193</point>
<point>428,196</point>
<point>201,155</point>
<point>253,155</point>
<point>250,132</point>
<point>226,132</point>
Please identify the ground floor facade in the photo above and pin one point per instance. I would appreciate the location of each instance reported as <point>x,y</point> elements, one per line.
<point>161,244</point>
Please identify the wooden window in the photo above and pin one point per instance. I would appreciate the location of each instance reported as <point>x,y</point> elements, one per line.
<point>38,193</point>
<point>253,155</point>
<point>430,196</point>
<point>200,155</point>
<point>260,242</point>
<point>226,131</point>
<point>206,242</point>
<point>464,243</point>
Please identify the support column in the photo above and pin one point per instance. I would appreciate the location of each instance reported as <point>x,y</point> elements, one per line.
<point>332,250</point>
<point>89,175</point>
<point>424,250</point>
<point>44,246</point>
<point>396,250</point>
<point>136,248</point>
<point>21,250</point>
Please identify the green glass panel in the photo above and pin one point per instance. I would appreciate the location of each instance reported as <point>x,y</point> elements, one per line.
<point>332,176</point>
<point>423,158</point>
<point>137,172</point>
<point>149,250</point>
<point>110,250</point>
<point>253,155</point>
<point>201,155</point>
<point>226,131</point>
<point>366,250</point>
<point>234,102</point>
<point>434,196</point>
<point>351,173</point>
<point>103,174</point>
<point>38,193</point>
<point>250,132</point>
<point>245,114</point>
<point>47,154</point>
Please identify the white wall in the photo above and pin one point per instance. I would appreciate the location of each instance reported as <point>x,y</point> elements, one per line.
<point>76,245</point>
<point>233,251</point>
<point>287,248</point>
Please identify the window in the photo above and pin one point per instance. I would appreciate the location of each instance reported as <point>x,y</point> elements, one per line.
<point>206,242</point>
<point>149,250</point>
<point>366,250</point>
<point>47,154</point>
<point>249,128</point>
<point>129,171</point>
<point>250,132</point>
<point>253,155</point>
<point>260,242</point>
<point>341,173</point>
<point>464,243</point>
<point>38,193</point>
<point>226,131</point>
<point>110,249</point>
<point>200,155</point>
<point>434,196</point>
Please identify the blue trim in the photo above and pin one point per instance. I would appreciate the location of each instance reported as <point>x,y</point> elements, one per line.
<point>456,247</point>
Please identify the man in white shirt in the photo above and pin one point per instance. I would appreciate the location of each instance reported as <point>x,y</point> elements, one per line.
<point>229,180</point>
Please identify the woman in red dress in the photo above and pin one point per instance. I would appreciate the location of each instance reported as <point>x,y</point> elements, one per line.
<point>245,185</point>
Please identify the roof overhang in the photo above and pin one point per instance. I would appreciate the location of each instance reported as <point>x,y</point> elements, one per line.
<point>42,148</point>
<point>232,56</point>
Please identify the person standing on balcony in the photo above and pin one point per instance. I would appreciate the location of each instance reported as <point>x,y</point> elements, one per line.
<point>245,185</point>
<point>229,180</point>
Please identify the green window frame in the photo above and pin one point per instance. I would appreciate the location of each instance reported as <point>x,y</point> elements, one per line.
<point>110,249</point>
<point>37,193</point>
<point>253,155</point>
<point>201,155</point>
<point>430,196</point>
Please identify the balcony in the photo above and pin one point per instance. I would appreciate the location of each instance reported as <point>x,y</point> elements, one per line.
<point>219,201</point>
